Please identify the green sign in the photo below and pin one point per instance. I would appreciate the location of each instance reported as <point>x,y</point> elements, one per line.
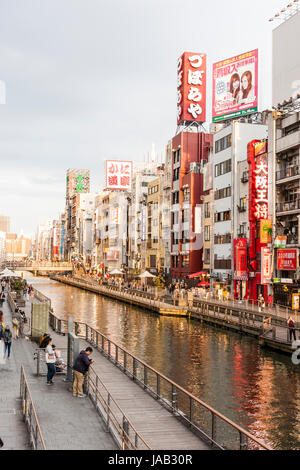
<point>276,281</point>
<point>243,112</point>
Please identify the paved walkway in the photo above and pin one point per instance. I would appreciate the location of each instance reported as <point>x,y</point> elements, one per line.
<point>13,430</point>
<point>66,423</point>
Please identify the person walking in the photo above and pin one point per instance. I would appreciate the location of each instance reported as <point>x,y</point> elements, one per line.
<point>50,361</point>
<point>292,328</point>
<point>16,321</point>
<point>2,329</point>
<point>81,366</point>
<point>7,337</point>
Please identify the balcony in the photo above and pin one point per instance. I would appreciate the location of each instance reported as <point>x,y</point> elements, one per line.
<point>287,142</point>
<point>289,206</point>
<point>242,209</point>
<point>245,178</point>
<point>287,174</point>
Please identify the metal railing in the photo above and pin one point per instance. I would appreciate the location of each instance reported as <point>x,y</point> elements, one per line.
<point>210,425</point>
<point>117,423</point>
<point>29,414</point>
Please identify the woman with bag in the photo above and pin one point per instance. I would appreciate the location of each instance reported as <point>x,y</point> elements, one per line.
<point>50,361</point>
<point>16,323</point>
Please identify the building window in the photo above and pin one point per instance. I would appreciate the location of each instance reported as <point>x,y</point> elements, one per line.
<point>222,216</point>
<point>243,204</point>
<point>185,261</point>
<point>175,217</point>
<point>223,239</point>
<point>222,193</point>
<point>207,233</point>
<point>176,157</point>
<point>175,261</point>
<point>176,197</point>
<point>207,210</point>
<point>207,256</point>
<point>222,263</point>
<point>186,195</point>
<point>185,237</point>
<point>223,144</point>
<point>176,174</point>
<point>223,168</point>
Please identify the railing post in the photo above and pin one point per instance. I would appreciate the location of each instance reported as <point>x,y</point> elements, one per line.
<point>125,361</point>
<point>86,332</point>
<point>191,410</point>
<point>174,398</point>
<point>117,355</point>
<point>38,360</point>
<point>102,343</point>
<point>125,433</point>
<point>109,345</point>
<point>145,377</point>
<point>243,442</point>
<point>158,385</point>
<point>213,427</point>
<point>97,339</point>
<point>134,369</point>
<point>108,411</point>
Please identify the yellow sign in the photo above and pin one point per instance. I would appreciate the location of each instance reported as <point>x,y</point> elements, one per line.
<point>296,302</point>
<point>266,231</point>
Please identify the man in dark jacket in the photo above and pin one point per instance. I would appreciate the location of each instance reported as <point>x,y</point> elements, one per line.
<point>81,366</point>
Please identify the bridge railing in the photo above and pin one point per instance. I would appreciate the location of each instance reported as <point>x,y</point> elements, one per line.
<point>205,421</point>
<point>29,414</point>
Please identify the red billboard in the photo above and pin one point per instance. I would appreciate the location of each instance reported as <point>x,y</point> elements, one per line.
<point>191,87</point>
<point>287,260</point>
<point>235,86</point>
<point>240,259</point>
<point>266,266</point>
<point>118,175</point>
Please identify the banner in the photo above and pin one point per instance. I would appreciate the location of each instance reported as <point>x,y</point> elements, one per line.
<point>118,175</point>
<point>235,86</point>
<point>266,266</point>
<point>287,260</point>
<point>240,259</point>
<point>265,231</point>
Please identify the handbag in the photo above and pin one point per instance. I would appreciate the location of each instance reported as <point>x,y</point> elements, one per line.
<point>15,322</point>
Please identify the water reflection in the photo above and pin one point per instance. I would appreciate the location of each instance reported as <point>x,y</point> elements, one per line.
<point>257,389</point>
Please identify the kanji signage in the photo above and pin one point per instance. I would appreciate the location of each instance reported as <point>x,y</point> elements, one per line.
<point>241,259</point>
<point>287,260</point>
<point>191,87</point>
<point>261,181</point>
<point>265,231</point>
<point>235,86</point>
<point>266,266</point>
<point>119,175</point>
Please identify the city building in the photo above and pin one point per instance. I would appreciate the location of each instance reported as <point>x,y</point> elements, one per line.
<point>154,252</point>
<point>208,202</point>
<point>17,248</point>
<point>230,142</point>
<point>2,247</point>
<point>4,224</point>
<point>190,152</point>
<point>81,233</point>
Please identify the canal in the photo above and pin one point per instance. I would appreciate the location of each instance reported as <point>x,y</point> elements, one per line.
<point>256,388</point>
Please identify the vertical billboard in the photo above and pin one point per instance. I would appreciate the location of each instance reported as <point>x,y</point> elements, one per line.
<point>266,266</point>
<point>118,175</point>
<point>240,259</point>
<point>191,87</point>
<point>235,86</point>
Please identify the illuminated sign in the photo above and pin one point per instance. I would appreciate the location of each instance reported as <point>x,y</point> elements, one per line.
<point>287,260</point>
<point>119,175</point>
<point>241,259</point>
<point>265,231</point>
<point>114,215</point>
<point>235,86</point>
<point>261,184</point>
<point>266,266</point>
<point>191,87</point>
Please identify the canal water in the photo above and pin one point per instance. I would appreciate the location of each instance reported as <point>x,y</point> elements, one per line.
<point>256,388</point>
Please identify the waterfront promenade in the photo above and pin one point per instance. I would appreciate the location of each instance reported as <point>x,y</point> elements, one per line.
<point>72,423</point>
<point>269,325</point>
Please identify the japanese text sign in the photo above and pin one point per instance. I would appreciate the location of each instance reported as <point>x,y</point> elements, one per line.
<point>261,185</point>
<point>235,86</point>
<point>241,259</point>
<point>118,175</point>
<point>266,266</point>
<point>191,87</point>
<point>287,260</point>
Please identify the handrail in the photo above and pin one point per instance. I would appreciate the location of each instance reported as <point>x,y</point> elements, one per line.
<point>29,414</point>
<point>123,428</point>
<point>92,336</point>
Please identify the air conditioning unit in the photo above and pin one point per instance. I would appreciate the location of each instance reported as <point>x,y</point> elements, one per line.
<point>195,168</point>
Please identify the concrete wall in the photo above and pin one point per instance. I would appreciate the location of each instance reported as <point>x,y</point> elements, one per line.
<point>286,60</point>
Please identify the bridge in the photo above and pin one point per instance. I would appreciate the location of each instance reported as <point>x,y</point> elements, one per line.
<point>42,267</point>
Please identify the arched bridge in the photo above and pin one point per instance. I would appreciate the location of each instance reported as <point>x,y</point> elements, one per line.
<point>40,266</point>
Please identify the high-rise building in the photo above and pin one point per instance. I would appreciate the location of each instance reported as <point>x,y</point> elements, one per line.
<point>4,223</point>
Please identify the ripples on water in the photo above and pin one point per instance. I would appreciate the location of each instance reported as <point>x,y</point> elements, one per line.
<point>256,388</point>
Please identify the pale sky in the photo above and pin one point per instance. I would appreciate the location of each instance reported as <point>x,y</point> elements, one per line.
<point>90,80</point>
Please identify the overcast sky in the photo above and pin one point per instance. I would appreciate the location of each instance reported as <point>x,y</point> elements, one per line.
<point>89,80</point>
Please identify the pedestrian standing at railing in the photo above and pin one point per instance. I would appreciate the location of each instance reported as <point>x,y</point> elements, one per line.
<point>292,328</point>
<point>7,337</point>
<point>50,361</point>
<point>81,367</point>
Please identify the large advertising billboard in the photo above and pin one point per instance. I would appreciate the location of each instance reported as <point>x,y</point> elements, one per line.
<point>266,266</point>
<point>235,86</point>
<point>118,175</point>
<point>287,260</point>
<point>191,87</point>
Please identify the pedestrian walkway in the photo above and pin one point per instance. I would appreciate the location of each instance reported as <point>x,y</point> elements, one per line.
<point>13,430</point>
<point>66,423</point>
